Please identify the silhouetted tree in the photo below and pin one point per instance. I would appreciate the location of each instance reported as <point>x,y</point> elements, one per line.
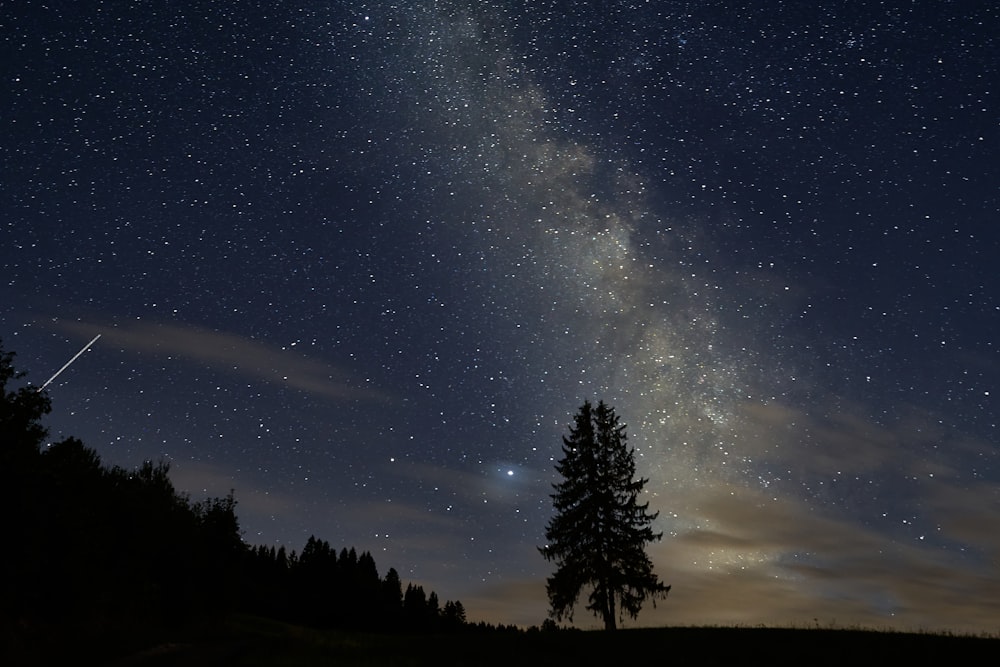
<point>21,411</point>
<point>432,613</point>
<point>30,542</point>
<point>391,600</point>
<point>218,548</point>
<point>453,615</point>
<point>315,583</point>
<point>599,533</point>
<point>433,604</point>
<point>414,603</point>
<point>365,591</point>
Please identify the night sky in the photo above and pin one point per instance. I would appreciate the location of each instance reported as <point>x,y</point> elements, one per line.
<point>362,262</point>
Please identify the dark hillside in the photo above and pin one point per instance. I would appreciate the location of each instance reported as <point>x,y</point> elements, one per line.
<point>253,642</point>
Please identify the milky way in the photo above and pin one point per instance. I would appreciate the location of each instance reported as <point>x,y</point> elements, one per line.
<point>362,264</point>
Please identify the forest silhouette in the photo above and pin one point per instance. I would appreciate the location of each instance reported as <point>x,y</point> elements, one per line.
<point>92,547</point>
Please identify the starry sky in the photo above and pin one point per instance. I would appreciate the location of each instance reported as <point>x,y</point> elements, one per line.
<point>362,262</point>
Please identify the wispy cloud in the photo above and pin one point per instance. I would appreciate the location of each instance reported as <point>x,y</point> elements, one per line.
<point>231,353</point>
<point>837,443</point>
<point>781,561</point>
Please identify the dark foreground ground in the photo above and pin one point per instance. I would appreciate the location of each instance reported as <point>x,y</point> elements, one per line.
<point>251,641</point>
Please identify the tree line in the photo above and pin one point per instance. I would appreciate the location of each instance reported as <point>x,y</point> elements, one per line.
<point>87,543</point>
<point>322,588</point>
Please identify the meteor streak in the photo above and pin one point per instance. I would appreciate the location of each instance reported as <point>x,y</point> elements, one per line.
<point>85,348</point>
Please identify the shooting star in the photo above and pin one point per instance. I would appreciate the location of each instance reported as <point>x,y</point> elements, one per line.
<point>85,348</point>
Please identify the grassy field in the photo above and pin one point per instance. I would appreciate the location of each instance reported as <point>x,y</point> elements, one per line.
<point>679,646</point>
<point>252,642</point>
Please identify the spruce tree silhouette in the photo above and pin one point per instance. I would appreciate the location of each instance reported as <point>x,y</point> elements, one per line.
<point>391,601</point>
<point>21,412</point>
<point>599,533</point>
<point>23,493</point>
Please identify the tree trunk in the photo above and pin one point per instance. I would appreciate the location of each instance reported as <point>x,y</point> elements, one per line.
<point>609,611</point>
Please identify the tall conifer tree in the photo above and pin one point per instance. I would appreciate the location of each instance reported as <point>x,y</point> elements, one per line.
<point>599,533</point>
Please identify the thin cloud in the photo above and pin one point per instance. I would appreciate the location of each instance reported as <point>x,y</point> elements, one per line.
<point>781,561</point>
<point>232,353</point>
<point>838,443</point>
